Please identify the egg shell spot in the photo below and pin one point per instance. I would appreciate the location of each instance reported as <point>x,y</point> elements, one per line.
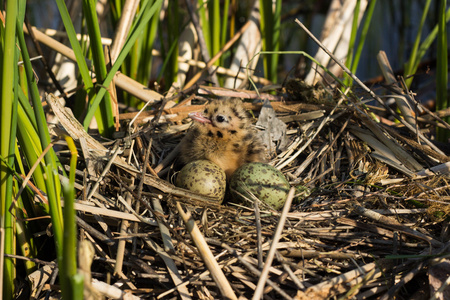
<point>264,181</point>
<point>203,177</point>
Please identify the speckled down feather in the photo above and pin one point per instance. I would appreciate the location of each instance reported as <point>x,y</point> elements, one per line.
<point>223,134</point>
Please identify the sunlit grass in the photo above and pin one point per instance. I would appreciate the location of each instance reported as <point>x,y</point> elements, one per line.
<point>8,121</point>
<point>270,31</point>
<point>142,20</point>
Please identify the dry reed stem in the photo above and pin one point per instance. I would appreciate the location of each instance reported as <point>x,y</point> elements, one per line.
<point>126,20</point>
<point>369,91</point>
<point>209,64</point>
<point>389,77</point>
<point>171,267</point>
<point>206,254</point>
<point>276,237</point>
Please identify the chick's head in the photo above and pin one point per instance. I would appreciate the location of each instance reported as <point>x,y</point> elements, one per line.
<point>229,117</point>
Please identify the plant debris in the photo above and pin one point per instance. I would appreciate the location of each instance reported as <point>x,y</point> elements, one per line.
<point>368,218</point>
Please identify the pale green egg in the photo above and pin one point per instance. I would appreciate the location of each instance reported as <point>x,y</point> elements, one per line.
<point>203,177</point>
<point>262,180</point>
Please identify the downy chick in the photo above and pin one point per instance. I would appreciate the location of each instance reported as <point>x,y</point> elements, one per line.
<point>223,134</point>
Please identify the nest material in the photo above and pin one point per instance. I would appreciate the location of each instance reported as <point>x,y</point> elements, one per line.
<point>368,218</point>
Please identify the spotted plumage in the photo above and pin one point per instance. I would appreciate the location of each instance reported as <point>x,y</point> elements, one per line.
<point>224,135</point>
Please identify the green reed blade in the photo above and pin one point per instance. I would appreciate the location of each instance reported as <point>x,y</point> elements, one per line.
<point>141,21</point>
<point>104,115</point>
<point>442,100</point>
<point>409,67</point>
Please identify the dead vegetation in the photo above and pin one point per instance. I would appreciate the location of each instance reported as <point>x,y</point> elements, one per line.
<point>368,218</point>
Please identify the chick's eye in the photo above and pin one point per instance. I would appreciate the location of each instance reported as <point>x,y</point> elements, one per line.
<point>205,111</point>
<point>220,118</point>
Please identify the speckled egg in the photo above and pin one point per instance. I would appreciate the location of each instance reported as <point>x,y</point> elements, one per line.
<point>204,177</point>
<point>264,181</point>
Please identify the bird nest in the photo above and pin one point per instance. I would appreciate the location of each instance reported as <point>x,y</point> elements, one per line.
<point>366,218</point>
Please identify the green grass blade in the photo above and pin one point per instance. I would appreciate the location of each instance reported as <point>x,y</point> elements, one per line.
<point>270,30</point>
<point>145,57</point>
<point>364,31</point>
<point>30,147</point>
<point>202,12</point>
<point>442,101</point>
<point>425,45</point>
<point>354,61</point>
<point>43,133</point>
<point>70,227</point>
<point>24,241</point>
<point>168,69</point>
<point>409,67</point>
<point>26,107</point>
<point>142,20</point>
<point>171,57</point>
<point>71,34</point>
<point>8,85</point>
<point>351,43</point>
<point>223,34</point>
<point>214,24</point>
<point>104,116</point>
<point>51,175</point>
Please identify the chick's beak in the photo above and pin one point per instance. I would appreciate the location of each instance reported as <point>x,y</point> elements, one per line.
<point>199,117</point>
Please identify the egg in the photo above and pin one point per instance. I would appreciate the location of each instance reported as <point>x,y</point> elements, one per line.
<point>262,180</point>
<point>203,177</point>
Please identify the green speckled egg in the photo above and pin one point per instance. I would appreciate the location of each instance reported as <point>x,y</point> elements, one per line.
<point>267,183</point>
<point>204,177</point>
